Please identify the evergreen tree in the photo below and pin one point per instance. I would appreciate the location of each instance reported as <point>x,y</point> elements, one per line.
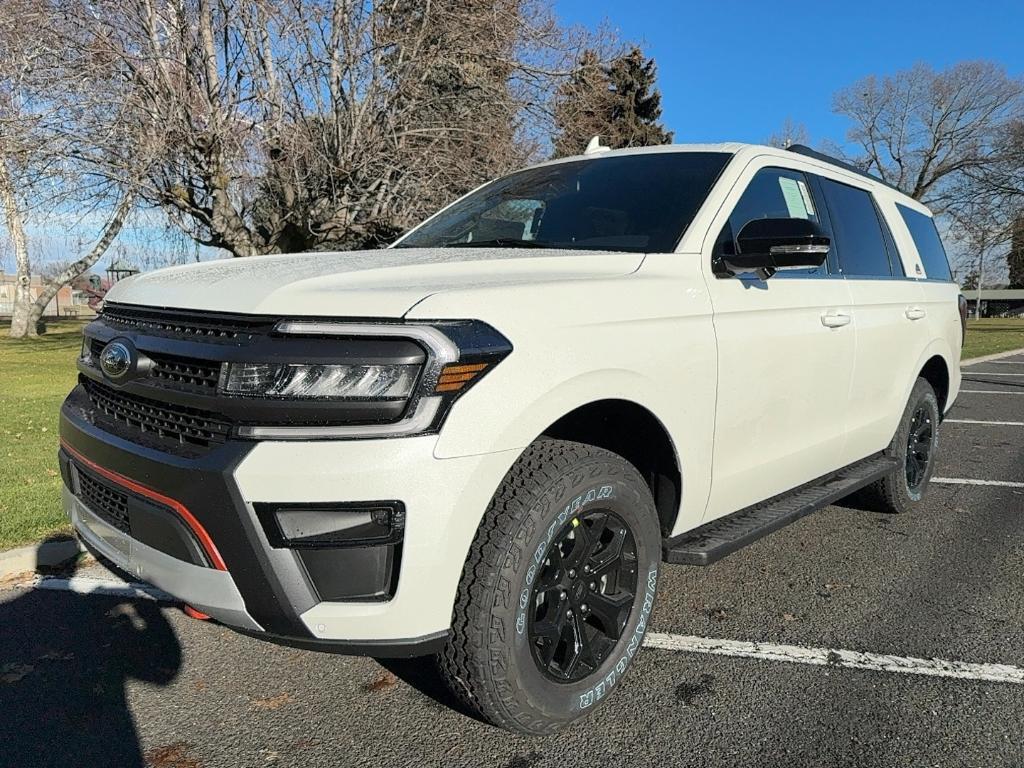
<point>1015,258</point>
<point>618,102</point>
<point>636,106</point>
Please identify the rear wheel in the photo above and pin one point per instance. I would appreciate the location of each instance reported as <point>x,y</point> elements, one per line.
<point>557,590</point>
<point>914,446</point>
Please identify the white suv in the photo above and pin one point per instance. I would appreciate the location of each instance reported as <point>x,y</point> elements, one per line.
<point>483,442</point>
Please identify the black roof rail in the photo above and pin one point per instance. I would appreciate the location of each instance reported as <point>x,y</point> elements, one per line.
<point>801,149</point>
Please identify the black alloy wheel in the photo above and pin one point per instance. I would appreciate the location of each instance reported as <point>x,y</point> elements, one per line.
<point>919,446</point>
<point>583,596</point>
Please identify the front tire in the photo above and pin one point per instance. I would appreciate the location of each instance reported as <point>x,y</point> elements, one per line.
<point>557,591</point>
<point>915,446</point>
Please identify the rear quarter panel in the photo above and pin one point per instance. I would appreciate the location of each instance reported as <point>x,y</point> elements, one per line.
<point>939,298</point>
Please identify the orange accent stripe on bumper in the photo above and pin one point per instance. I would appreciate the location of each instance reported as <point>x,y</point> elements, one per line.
<point>187,517</point>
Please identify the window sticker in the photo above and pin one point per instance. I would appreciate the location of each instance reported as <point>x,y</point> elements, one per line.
<point>806,195</point>
<point>794,200</point>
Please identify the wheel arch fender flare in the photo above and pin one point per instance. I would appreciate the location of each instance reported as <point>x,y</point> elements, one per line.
<point>516,428</point>
<point>523,426</point>
<point>940,350</point>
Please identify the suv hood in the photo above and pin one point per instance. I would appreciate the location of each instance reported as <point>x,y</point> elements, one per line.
<point>380,283</point>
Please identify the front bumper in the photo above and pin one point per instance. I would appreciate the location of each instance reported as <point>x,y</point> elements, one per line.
<point>206,589</point>
<point>267,590</point>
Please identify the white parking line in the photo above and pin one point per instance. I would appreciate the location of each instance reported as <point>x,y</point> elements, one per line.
<point>971,481</point>
<point>988,392</point>
<point>1003,362</point>
<point>988,373</point>
<point>834,657</point>
<point>987,423</point>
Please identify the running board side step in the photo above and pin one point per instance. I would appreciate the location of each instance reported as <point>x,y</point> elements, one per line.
<point>713,541</point>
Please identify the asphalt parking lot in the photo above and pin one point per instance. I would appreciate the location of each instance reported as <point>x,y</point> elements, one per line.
<point>88,680</point>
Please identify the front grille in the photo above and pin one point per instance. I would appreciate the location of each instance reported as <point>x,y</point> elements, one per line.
<point>185,372</point>
<point>175,372</point>
<point>185,325</point>
<point>171,422</point>
<point>109,504</point>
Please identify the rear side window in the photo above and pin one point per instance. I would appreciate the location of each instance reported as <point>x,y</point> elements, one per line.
<point>928,244</point>
<point>857,231</point>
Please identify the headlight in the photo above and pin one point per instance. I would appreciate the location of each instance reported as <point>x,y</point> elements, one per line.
<point>409,396</point>
<point>350,382</point>
<point>85,356</point>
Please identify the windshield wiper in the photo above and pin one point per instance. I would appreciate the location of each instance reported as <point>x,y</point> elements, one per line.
<point>498,242</point>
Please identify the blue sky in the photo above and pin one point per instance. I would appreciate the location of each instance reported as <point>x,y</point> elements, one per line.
<point>734,71</point>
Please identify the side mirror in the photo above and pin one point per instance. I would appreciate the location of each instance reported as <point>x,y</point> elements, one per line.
<point>768,245</point>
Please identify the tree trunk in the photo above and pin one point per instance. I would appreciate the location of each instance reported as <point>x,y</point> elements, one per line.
<point>79,267</point>
<point>20,326</point>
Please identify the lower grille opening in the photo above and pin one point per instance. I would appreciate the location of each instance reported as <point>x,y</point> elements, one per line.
<point>145,520</point>
<point>109,504</point>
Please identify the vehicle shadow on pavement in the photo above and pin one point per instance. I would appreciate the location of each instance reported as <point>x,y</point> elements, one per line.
<point>65,662</point>
<point>423,675</point>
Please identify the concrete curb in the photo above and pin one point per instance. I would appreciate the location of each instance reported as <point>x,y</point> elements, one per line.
<point>49,554</point>
<point>996,356</point>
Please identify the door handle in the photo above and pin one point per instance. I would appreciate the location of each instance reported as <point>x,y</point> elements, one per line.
<point>915,313</point>
<point>835,319</point>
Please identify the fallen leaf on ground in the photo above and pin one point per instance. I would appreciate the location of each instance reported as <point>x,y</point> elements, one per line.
<point>170,756</point>
<point>381,683</point>
<point>716,613</point>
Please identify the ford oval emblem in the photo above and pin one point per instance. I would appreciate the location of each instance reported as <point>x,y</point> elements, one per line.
<point>116,360</point>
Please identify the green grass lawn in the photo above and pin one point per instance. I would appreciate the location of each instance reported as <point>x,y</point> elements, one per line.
<point>35,376</point>
<point>993,334</point>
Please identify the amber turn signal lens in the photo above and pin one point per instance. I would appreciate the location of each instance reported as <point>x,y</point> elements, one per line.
<point>455,377</point>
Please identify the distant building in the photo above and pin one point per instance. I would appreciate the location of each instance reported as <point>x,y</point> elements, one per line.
<point>998,302</point>
<point>68,302</point>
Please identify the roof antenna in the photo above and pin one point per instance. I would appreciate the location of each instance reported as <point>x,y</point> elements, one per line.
<point>595,147</point>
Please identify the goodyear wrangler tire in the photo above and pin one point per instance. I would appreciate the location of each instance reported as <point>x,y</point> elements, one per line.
<point>557,591</point>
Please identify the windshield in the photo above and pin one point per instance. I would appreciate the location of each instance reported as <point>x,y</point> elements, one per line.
<point>638,202</point>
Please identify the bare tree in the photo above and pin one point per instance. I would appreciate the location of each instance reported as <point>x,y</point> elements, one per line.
<point>18,165</point>
<point>43,167</point>
<point>301,124</point>
<point>789,134</point>
<point>930,133</point>
<point>980,230</point>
